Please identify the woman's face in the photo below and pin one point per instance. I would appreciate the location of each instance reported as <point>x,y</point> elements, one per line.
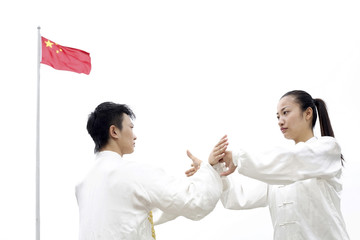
<point>294,123</point>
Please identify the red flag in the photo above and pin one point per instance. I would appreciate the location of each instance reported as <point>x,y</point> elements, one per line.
<point>64,58</point>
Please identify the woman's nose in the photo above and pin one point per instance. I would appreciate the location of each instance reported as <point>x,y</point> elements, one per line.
<point>281,121</point>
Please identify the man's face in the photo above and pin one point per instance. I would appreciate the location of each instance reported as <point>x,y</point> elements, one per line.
<point>127,138</point>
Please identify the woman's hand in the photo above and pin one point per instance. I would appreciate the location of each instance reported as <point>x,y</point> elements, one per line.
<point>219,151</point>
<point>229,163</point>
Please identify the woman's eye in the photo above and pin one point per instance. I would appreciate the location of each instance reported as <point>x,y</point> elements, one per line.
<point>285,112</point>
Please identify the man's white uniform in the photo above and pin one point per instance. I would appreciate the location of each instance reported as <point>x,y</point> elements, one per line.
<point>117,195</point>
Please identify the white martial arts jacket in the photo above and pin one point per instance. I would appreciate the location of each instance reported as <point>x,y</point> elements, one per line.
<point>116,196</point>
<point>301,185</point>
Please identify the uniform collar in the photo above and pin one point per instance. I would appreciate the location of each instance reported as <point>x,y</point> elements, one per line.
<point>310,140</point>
<point>107,153</point>
<point>313,139</point>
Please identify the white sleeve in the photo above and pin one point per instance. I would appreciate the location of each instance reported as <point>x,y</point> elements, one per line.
<point>240,192</point>
<point>320,158</point>
<point>193,197</point>
<point>160,217</point>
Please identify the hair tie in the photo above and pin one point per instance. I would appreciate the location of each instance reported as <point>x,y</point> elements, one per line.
<point>315,101</point>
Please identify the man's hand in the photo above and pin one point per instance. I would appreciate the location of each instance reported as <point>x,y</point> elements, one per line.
<point>195,164</point>
<point>227,159</point>
<point>219,151</point>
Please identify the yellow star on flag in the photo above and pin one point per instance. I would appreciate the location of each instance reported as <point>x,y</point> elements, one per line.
<point>49,44</point>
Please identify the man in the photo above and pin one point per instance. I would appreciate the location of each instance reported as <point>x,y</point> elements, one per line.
<point>117,196</point>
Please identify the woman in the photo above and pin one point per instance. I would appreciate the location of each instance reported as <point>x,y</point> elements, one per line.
<point>301,184</point>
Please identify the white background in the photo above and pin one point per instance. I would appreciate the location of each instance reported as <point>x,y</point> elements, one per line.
<point>192,71</point>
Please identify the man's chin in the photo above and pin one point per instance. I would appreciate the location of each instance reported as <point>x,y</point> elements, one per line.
<point>287,137</point>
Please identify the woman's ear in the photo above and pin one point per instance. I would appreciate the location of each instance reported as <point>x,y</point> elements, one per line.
<point>309,113</point>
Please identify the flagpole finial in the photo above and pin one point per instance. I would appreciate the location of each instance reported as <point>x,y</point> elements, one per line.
<point>39,27</point>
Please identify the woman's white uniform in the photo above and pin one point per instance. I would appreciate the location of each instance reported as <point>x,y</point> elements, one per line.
<point>301,185</point>
<point>115,198</point>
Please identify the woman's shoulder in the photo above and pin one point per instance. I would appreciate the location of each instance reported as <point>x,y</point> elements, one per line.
<point>327,140</point>
<point>326,143</point>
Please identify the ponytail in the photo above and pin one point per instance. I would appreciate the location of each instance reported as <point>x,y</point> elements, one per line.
<point>325,124</point>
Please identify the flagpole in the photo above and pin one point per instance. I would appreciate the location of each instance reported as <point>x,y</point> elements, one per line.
<point>38,141</point>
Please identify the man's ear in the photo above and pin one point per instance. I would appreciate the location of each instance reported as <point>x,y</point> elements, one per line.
<point>114,132</point>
